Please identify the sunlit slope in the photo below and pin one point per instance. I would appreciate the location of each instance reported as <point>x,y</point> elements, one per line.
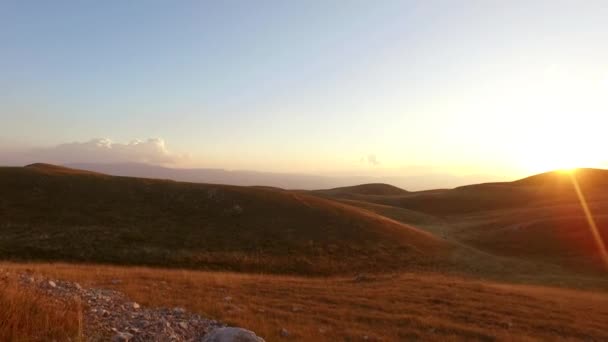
<point>539,218</point>
<point>50,213</point>
<point>560,234</point>
<point>551,187</point>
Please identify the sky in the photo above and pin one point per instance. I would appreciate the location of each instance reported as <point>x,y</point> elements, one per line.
<point>502,88</point>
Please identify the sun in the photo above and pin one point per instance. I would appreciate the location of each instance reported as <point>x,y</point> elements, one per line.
<point>564,160</point>
<point>565,153</point>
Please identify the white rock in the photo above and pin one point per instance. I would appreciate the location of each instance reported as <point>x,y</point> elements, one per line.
<point>135,306</point>
<point>52,284</point>
<point>231,335</point>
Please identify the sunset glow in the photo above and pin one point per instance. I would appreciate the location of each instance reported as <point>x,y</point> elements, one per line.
<point>478,90</point>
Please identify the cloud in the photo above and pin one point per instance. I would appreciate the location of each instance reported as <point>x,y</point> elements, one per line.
<point>372,159</point>
<point>100,150</point>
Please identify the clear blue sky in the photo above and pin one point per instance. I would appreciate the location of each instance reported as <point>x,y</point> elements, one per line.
<point>312,85</point>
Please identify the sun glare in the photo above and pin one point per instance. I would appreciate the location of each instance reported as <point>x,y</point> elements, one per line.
<point>558,155</point>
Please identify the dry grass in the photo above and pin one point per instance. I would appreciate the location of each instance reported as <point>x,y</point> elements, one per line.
<point>26,315</point>
<point>391,308</point>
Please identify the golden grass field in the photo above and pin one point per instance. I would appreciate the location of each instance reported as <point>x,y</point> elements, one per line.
<point>26,315</point>
<point>399,307</point>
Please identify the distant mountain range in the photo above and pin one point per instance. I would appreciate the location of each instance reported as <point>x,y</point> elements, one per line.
<point>281,180</point>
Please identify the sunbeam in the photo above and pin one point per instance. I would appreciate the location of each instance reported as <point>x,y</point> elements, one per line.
<point>592,225</point>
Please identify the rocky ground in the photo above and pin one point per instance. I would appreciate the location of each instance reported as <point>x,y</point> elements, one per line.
<point>109,316</point>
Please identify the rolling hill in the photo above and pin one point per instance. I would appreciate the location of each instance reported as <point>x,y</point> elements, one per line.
<point>553,188</point>
<point>54,213</point>
<point>378,189</point>
<point>538,219</point>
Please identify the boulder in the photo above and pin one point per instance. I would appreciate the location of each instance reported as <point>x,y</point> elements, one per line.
<point>229,334</point>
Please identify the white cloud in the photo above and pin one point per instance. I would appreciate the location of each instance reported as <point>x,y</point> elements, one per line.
<point>100,150</point>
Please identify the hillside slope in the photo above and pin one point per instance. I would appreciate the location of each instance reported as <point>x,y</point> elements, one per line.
<point>538,190</point>
<point>379,189</point>
<point>50,213</point>
<point>539,218</point>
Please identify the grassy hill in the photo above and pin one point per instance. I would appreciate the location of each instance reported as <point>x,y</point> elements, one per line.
<point>551,187</point>
<point>379,189</point>
<point>536,219</point>
<point>413,247</point>
<point>54,213</point>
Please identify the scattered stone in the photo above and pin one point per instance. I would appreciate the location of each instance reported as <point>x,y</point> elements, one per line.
<point>230,334</point>
<point>110,316</point>
<point>116,281</point>
<point>284,332</point>
<point>237,209</point>
<point>122,337</point>
<point>322,330</point>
